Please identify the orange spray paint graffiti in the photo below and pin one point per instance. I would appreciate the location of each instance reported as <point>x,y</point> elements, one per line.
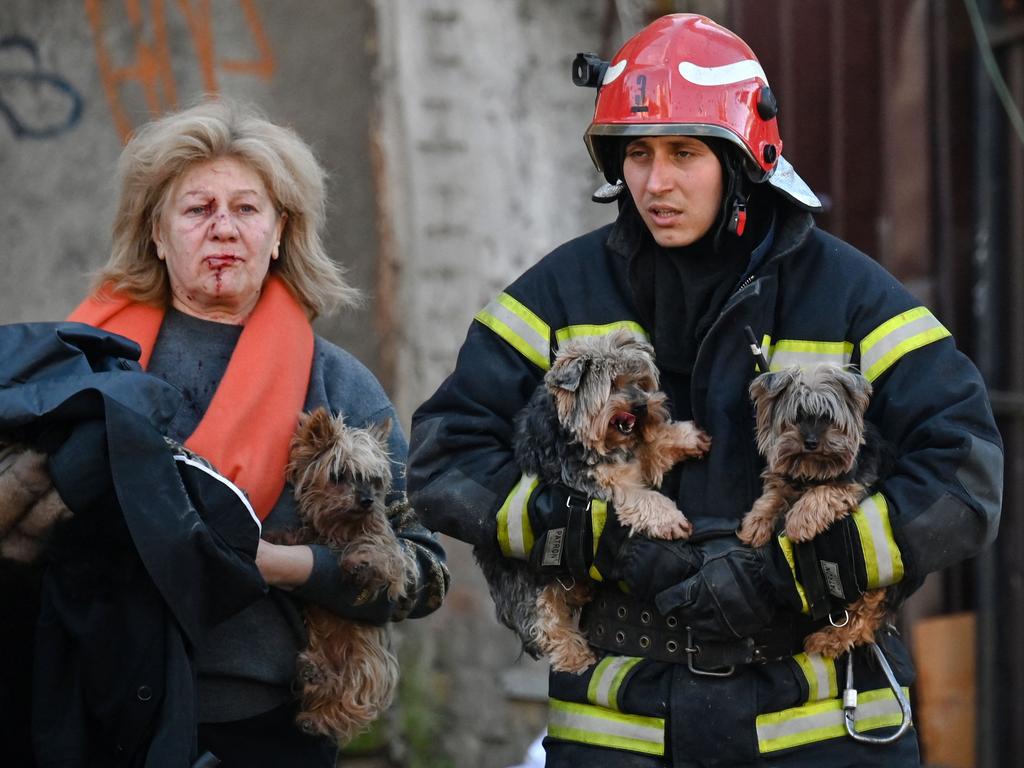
<point>151,67</point>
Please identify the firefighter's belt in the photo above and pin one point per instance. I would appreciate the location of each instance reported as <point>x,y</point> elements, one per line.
<point>625,626</point>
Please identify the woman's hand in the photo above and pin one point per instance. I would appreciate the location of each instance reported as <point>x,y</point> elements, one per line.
<point>283,565</point>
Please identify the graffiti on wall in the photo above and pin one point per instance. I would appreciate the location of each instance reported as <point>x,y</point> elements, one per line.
<point>35,102</point>
<point>149,62</point>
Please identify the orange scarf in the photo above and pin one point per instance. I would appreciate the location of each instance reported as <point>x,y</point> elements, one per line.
<point>246,431</point>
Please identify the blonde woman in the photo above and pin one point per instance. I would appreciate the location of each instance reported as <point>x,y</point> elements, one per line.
<point>217,270</point>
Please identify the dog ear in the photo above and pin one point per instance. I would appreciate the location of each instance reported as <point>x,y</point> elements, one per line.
<point>767,386</point>
<point>316,428</point>
<point>765,390</point>
<point>578,386</point>
<point>312,437</point>
<point>567,372</point>
<point>381,431</point>
<point>857,387</point>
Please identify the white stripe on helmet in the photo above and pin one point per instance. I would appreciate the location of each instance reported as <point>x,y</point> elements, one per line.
<point>613,72</point>
<point>724,75</point>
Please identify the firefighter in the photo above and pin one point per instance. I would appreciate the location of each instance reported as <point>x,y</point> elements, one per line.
<point>700,643</point>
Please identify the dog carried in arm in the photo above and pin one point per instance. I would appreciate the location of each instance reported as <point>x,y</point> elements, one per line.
<point>599,425</point>
<point>821,459</point>
<point>341,476</point>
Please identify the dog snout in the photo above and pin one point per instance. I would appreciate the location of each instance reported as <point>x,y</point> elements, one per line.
<point>366,500</point>
<point>811,432</point>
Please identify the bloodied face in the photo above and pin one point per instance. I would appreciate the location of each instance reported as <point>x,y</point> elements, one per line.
<point>217,235</point>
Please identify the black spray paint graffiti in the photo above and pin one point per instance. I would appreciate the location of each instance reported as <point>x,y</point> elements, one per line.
<point>37,104</point>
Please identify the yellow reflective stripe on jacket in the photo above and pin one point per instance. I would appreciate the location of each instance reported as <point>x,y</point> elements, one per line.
<point>515,535</point>
<point>820,673</point>
<point>822,720</point>
<point>604,728</point>
<point>894,338</point>
<point>598,517</point>
<point>785,353</point>
<point>882,558</point>
<point>520,327</point>
<point>609,673</point>
<point>787,550</point>
<point>578,331</point>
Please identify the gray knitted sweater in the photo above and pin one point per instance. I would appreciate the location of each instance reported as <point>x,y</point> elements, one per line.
<point>248,664</point>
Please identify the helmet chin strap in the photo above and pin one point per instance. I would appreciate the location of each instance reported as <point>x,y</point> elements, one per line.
<point>737,215</point>
<point>733,218</point>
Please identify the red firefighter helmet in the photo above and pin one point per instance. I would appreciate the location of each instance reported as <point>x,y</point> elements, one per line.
<point>685,75</point>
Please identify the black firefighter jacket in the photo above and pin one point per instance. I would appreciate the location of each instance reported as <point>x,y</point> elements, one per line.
<point>160,549</point>
<point>810,298</point>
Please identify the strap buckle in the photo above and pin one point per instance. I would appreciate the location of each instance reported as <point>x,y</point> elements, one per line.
<point>584,507</point>
<point>692,649</point>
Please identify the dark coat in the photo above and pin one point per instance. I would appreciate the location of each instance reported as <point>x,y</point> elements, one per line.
<point>810,297</point>
<point>160,549</point>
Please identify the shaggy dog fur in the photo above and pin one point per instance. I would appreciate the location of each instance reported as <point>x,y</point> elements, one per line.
<point>821,458</point>
<point>341,476</point>
<point>30,508</point>
<point>598,424</point>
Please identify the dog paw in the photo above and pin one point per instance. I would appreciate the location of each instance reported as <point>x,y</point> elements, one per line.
<point>801,528</point>
<point>755,531</point>
<point>362,572</point>
<point>358,571</point>
<point>677,528</point>
<point>307,726</point>
<point>311,674</point>
<point>830,643</point>
<point>653,514</point>
<point>691,441</point>
<point>702,443</point>
<point>576,659</point>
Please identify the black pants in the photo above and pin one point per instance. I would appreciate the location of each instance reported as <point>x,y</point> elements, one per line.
<point>270,740</point>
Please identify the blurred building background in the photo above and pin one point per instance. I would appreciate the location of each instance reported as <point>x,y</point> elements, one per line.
<point>453,139</point>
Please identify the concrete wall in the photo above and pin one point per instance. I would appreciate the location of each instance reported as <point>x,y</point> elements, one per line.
<point>486,171</point>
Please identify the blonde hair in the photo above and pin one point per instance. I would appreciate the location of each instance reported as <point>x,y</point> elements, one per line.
<point>162,150</point>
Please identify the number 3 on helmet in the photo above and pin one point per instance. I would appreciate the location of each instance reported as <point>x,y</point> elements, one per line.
<point>685,75</point>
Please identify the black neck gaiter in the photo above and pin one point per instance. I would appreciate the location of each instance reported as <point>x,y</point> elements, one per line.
<point>680,291</point>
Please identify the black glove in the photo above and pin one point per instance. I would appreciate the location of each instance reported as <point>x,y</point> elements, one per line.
<point>563,523</point>
<point>644,567</point>
<point>738,590</point>
<point>830,569</point>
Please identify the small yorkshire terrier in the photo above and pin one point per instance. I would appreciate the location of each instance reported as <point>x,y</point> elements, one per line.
<point>598,424</point>
<point>341,476</point>
<point>821,458</point>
